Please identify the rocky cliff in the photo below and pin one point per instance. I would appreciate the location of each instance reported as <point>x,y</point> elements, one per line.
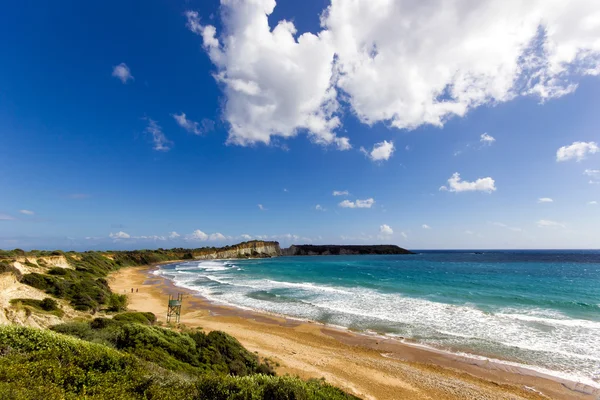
<point>338,250</point>
<point>252,249</point>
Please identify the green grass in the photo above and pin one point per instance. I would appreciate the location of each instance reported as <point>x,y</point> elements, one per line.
<point>41,364</point>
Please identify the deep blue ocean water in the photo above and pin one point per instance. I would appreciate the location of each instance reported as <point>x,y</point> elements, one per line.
<point>538,308</point>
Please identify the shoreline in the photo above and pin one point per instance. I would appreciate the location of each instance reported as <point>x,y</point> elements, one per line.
<point>384,367</point>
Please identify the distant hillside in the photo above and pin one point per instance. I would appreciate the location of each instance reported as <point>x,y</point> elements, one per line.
<point>338,250</point>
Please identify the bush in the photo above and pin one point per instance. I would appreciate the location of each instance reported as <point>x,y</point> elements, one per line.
<point>118,302</point>
<point>144,318</point>
<point>57,271</point>
<point>49,304</point>
<point>192,352</point>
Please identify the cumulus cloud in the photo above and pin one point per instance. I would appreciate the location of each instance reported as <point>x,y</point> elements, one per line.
<point>545,223</point>
<point>592,203</point>
<point>318,207</point>
<point>215,237</point>
<point>425,226</point>
<point>340,193</point>
<point>174,235</point>
<point>194,127</point>
<point>276,82</point>
<point>122,72</point>
<point>119,235</point>
<point>245,236</point>
<point>404,63</point>
<point>577,151</point>
<point>262,208</point>
<point>161,143</point>
<point>197,235</point>
<point>545,200</point>
<point>487,139</point>
<point>367,203</point>
<point>455,184</point>
<point>386,230</point>
<point>26,212</point>
<point>381,151</point>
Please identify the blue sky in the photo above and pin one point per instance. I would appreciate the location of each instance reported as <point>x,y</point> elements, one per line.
<point>195,123</point>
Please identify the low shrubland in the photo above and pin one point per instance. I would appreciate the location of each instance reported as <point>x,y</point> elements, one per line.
<point>41,364</point>
<point>192,351</point>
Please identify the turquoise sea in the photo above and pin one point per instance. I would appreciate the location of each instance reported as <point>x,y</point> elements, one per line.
<point>536,308</point>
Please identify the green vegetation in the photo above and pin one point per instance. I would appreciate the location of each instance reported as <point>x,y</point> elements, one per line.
<point>191,352</point>
<point>127,356</point>
<point>38,364</point>
<point>48,305</point>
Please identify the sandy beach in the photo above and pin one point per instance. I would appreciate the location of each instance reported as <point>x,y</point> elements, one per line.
<point>369,367</point>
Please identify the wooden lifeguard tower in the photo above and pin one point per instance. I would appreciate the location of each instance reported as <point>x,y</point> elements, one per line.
<point>174,309</point>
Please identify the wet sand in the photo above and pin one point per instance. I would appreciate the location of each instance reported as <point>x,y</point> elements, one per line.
<point>369,367</point>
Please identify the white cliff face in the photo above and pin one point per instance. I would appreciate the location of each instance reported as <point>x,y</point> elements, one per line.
<point>245,250</point>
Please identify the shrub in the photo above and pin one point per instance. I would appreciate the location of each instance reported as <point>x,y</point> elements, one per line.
<point>145,318</point>
<point>118,302</point>
<point>57,271</point>
<point>49,304</point>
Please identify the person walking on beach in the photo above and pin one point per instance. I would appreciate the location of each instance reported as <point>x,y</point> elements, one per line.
<point>131,290</point>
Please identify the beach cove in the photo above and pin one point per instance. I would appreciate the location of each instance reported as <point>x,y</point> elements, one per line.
<point>371,367</point>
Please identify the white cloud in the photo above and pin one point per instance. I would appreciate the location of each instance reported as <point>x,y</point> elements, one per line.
<point>119,235</point>
<point>122,72</point>
<point>340,193</point>
<point>482,185</point>
<point>276,82</point>
<point>386,230</point>
<point>425,226</point>
<point>318,207</point>
<point>246,237</point>
<point>401,62</point>
<point>577,151</point>
<point>6,217</point>
<point>469,232</point>
<point>188,124</point>
<point>197,235</point>
<point>285,190</point>
<point>544,223</point>
<point>381,151</point>
<point>594,175</point>
<point>501,225</point>
<point>262,208</point>
<point>174,235</point>
<point>161,143</point>
<point>367,203</point>
<point>404,235</point>
<point>545,200</point>
<point>487,139</point>
<point>26,212</point>
<point>592,203</point>
<point>217,237</point>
